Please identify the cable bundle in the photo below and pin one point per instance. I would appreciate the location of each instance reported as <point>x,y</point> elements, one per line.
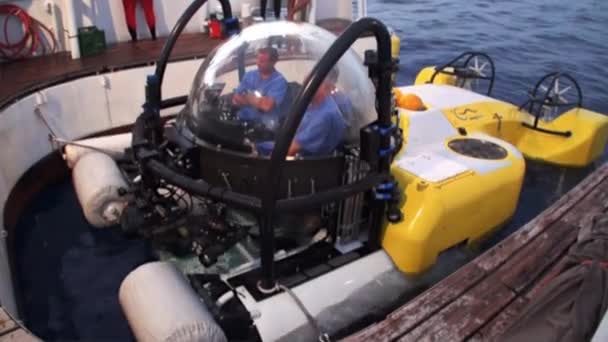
<point>33,39</point>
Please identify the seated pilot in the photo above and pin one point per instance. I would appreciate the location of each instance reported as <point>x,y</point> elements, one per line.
<point>261,91</point>
<point>323,126</point>
<point>344,104</point>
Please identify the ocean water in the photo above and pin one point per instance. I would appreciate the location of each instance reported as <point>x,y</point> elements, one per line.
<point>526,39</point>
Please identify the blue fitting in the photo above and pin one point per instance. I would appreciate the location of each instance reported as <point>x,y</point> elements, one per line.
<point>386,186</point>
<point>384,130</point>
<point>383,196</point>
<point>385,151</point>
<point>387,130</point>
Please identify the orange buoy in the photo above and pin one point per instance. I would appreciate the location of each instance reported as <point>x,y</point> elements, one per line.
<point>410,102</point>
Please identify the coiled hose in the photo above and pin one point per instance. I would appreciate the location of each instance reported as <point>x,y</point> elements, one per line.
<point>36,39</point>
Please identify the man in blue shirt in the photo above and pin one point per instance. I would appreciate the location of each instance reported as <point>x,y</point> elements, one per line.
<point>322,128</point>
<point>261,91</point>
<point>344,104</point>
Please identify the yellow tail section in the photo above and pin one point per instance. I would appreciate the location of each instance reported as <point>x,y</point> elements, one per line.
<point>583,139</point>
<point>426,74</point>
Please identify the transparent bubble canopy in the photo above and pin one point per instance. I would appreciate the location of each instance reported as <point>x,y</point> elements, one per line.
<point>245,90</point>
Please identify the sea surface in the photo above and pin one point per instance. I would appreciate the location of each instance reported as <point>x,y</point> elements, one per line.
<point>69,272</point>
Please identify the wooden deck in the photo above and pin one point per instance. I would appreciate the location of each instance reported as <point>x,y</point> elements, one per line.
<point>479,301</point>
<point>21,78</point>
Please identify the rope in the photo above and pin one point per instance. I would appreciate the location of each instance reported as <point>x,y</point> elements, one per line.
<point>37,38</point>
<point>323,337</point>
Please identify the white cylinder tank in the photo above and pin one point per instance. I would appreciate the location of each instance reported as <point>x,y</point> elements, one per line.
<point>97,181</point>
<point>114,144</point>
<point>160,305</point>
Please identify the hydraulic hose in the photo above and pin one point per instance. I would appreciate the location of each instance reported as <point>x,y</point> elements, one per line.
<point>195,186</point>
<point>202,188</point>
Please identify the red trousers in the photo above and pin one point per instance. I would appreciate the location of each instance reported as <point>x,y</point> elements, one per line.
<point>148,6</point>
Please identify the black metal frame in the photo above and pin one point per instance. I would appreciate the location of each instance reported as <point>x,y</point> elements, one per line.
<point>383,71</point>
<point>468,56</point>
<point>546,101</point>
<point>147,134</point>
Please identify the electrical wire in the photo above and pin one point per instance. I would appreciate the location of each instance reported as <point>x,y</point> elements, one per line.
<point>322,336</point>
<point>36,39</point>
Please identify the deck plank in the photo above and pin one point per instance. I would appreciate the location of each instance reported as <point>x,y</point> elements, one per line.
<point>422,307</point>
<point>553,272</point>
<point>500,253</point>
<point>465,316</point>
<point>36,73</point>
<point>536,257</point>
<point>595,204</point>
<point>492,330</point>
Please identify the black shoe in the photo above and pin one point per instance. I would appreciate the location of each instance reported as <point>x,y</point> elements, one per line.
<point>153,32</point>
<point>133,33</point>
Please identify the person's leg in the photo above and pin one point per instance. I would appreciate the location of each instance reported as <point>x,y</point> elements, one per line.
<point>290,6</point>
<point>263,4</point>
<point>277,9</point>
<point>148,6</point>
<point>129,6</point>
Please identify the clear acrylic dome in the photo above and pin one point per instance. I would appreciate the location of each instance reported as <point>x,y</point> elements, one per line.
<point>245,89</point>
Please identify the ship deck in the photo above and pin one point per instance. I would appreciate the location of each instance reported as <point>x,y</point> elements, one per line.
<point>30,75</point>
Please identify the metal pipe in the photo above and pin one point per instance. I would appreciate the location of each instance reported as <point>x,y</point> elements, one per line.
<point>312,14</point>
<point>335,194</point>
<point>52,10</point>
<point>362,8</point>
<point>72,29</point>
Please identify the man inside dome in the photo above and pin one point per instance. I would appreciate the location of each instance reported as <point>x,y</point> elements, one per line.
<point>261,91</point>
<point>344,104</point>
<point>323,126</point>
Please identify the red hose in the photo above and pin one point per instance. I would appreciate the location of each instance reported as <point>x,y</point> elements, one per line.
<point>33,39</point>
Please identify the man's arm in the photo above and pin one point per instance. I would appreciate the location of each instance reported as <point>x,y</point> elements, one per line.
<point>311,134</point>
<point>238,99</point>
<point>263,103</point>
<point>239,96</point>
<point>294,148</point>
<point>274,96</point>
